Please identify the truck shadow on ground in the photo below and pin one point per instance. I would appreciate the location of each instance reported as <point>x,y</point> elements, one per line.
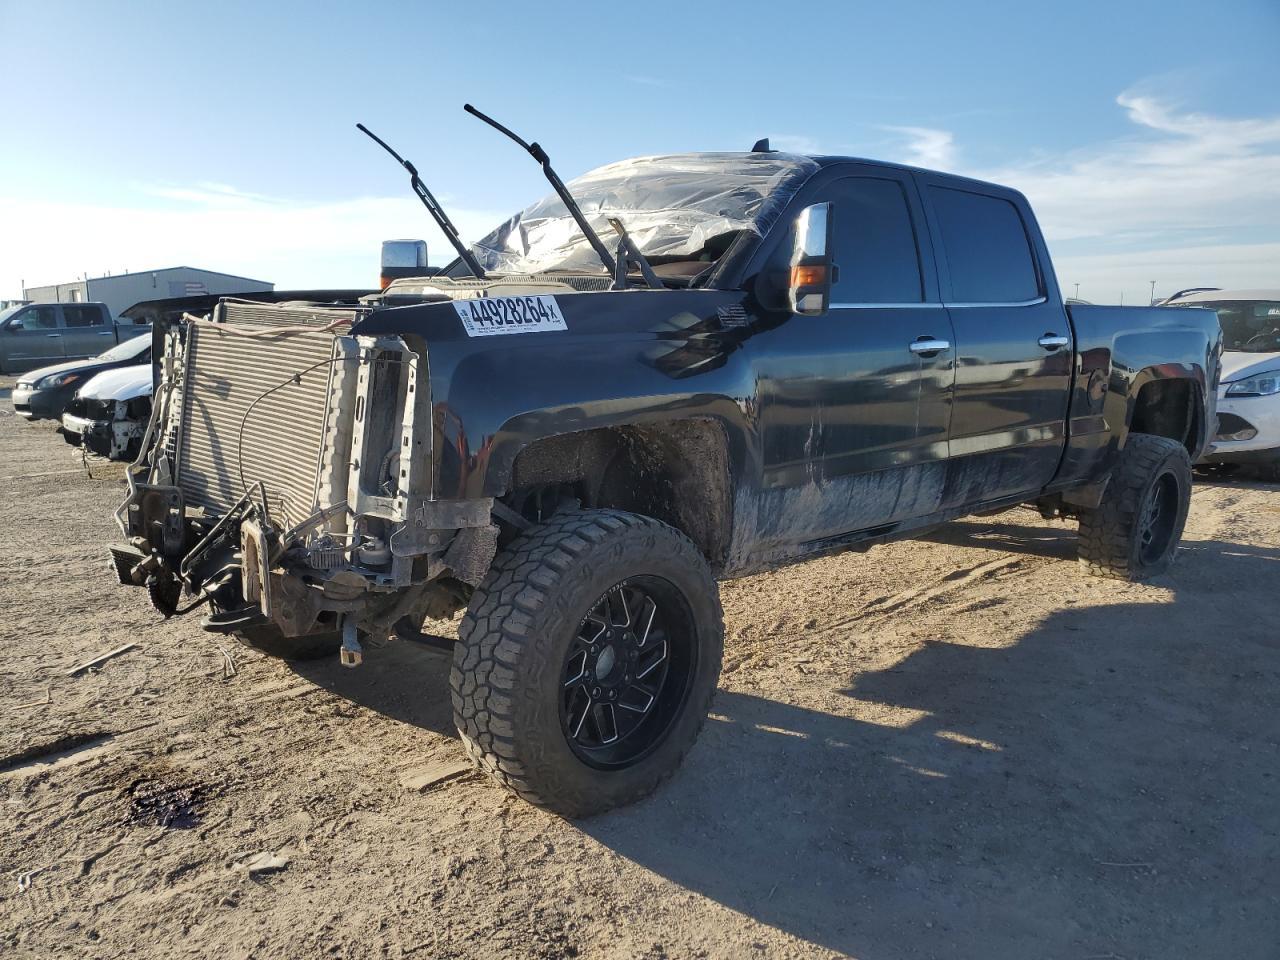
<point>1098,786</point>
<point>405,681</point>
<point>1008,535</point>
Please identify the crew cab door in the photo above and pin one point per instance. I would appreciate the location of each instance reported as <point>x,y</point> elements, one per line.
<point>853,413</point>
<point>88,330</point>
<point>33,338</point>
<point>1013,345</point>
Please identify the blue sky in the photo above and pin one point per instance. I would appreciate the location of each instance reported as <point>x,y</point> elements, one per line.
<point>146,134</point>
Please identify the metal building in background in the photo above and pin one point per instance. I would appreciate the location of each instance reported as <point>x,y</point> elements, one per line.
<point>123,290</point>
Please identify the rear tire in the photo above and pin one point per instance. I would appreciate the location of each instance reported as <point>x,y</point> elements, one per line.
<point>587,660</point>
<point>1134,533</point>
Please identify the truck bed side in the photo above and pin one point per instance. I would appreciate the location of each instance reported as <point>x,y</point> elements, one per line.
<point>1150,369</point>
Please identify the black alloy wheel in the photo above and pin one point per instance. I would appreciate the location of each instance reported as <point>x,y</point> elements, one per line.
<point>1159,518</point>
<point>627,672</point>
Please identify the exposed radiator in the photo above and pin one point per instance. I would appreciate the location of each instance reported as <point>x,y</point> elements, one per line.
<point>281,379</point>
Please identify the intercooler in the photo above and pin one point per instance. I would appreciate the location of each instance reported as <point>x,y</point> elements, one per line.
<point>254,406</point>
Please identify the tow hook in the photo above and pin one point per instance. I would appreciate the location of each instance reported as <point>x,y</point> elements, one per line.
<point>351,654</point>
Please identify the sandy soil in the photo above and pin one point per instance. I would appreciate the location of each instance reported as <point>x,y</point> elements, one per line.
<point>951,748</point>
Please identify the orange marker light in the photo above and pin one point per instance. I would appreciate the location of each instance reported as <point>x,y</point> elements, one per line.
<point>808,276</point>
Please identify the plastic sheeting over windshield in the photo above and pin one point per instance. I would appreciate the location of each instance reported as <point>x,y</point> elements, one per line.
<point>678,207</point>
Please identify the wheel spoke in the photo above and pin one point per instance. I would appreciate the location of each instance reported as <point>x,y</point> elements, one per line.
<point>586,635</point>
<point>576,728</point>
<point>648,613</point>
<point>577,668</point>
<point>606,721</point>
<point>620,612</point>
<point>638,693</point>
<point>652,659</point>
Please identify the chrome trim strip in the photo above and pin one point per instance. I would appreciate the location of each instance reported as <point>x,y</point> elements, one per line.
<point>1012,303</point>
<point>933,303</point>
<point>885,306</point>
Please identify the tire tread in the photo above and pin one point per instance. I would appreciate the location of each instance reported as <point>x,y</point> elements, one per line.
<point>1107,532</point>
<point>497,641</point>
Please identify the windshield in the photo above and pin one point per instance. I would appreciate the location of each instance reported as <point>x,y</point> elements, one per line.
<point>687,207</point>
<point>1248,326</point>
<point>129,350</point>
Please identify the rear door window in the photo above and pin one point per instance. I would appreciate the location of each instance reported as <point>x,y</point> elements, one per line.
<point>82,316</point>
<point>986,247</point>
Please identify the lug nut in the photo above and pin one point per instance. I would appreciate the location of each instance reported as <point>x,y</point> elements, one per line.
<point>613,694</point>
<point>595,691</point>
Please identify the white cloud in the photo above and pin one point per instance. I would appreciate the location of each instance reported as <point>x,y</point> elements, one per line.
<point>927,147</point>
<point>206,194</point>
<point>1186,173</point>
<point>295,244</point>
<point>1187,199</point>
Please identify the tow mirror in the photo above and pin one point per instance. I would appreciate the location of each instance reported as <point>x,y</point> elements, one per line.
<point>402,258</point>
<point>809,292</point>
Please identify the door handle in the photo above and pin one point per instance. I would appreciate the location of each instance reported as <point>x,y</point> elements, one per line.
<point>105,334</point>
<point>1051,341</point>
<point>53,336</point>
<point>927,345</point>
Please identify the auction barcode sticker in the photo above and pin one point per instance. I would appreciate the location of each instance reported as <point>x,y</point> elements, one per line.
<point>488,316</point>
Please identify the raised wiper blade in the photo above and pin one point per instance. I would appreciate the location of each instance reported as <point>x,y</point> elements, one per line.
<point>437,212</point>
<point>536,151</point>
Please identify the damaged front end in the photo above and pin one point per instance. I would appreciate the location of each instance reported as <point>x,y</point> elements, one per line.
<point>110,427</point>
<point>285,479</point>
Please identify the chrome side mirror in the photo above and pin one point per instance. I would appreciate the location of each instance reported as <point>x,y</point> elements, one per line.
<point>402,258</point>
<point>809,290</point>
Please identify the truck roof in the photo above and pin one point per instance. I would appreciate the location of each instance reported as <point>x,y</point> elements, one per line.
<point>830,160</point>
<point>827,160</point>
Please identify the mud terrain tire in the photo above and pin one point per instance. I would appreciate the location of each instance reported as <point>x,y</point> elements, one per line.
<point>1134,533</point>
<point>527,622</point>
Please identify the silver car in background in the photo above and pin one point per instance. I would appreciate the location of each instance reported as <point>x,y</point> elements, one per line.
<point>1249,395</point>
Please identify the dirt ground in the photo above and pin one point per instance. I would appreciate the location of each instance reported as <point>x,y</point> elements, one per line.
<point>953,748</point>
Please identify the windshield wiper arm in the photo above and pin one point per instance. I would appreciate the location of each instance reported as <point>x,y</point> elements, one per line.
<point>442,219</point>
<point>629,253</point>
<point>558,186</point>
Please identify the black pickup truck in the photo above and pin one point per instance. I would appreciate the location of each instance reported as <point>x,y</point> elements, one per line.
<point>571,441</point>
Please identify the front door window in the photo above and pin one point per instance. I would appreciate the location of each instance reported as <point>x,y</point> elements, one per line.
<point>39,318</point>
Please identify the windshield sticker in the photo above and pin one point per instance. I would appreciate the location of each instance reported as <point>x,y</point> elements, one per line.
<point>487,316</point>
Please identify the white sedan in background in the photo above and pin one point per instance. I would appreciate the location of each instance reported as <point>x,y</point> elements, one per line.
<point>109,413</point>
<point>1249,397</point>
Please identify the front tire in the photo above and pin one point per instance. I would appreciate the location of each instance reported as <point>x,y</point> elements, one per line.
<point>587,660</point>
<point>1134,533</point>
